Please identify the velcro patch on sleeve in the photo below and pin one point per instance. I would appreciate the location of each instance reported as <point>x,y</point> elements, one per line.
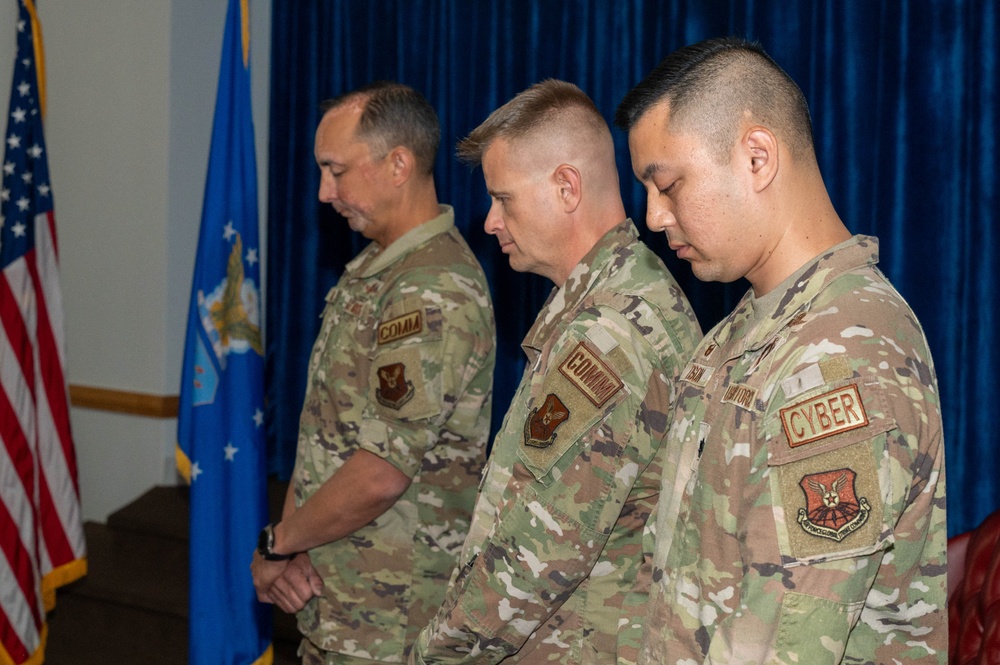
<point>590,374</point>
<point>569,404</point>
<point>408,324</point>
<point>815,418</point>
<point>400,385</point>
<point>836,369</point>
<point>832,504</point>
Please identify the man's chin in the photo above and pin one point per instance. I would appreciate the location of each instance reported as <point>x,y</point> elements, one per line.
<point>359,225</point>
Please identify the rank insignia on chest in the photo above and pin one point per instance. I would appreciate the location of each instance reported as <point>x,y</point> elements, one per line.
<point>833,509</point>
<point>393,389</point>
<point>540,426</point>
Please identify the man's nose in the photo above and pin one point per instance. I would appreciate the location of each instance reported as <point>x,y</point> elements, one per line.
<point>327,189</point>
<point>494,221</point>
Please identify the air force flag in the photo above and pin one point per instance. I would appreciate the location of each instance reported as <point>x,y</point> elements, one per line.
<point>220,437</point>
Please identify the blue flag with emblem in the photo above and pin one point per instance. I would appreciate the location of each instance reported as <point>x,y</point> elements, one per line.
<point>220,433</point>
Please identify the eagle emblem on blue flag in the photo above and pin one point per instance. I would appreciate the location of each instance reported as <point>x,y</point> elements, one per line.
<point>230,314</point>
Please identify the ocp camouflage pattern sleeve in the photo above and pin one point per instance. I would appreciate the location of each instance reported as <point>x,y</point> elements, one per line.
<point>807,522</point>
<point>554,563</point>
<point>433,340</point>
<point>402,368</point>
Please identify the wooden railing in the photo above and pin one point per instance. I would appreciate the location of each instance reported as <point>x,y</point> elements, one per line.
<point>123,401</point>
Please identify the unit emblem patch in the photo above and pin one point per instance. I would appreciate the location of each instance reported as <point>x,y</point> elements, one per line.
<point>833,510</point>
<point>540,426</point>
<point>393,389</point>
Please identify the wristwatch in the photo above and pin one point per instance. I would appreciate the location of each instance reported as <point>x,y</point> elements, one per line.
<point>265,545</point>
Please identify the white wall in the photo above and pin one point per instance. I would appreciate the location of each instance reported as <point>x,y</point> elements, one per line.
<point>131,92</point>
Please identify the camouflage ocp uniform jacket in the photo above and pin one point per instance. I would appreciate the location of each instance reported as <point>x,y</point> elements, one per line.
<point>554,564</point>
<point>402,368</point>
<point>803,513</point>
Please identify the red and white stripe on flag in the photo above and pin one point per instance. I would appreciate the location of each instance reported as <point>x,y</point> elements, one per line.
<point>41,530</point>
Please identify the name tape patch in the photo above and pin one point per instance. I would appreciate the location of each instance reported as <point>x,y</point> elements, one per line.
<point>595,379</point>
<point>698,374</point>
<point>402,326</point>
<point>740,395</point>
<point>818,417</point>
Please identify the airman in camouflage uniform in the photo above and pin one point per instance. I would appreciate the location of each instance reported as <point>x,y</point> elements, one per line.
<point>802,518</point>
<point>554,563</point>
<point>400,378</point>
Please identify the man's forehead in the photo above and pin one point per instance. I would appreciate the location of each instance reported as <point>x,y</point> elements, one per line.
<point>652,143</point>
<point>496,149</point>
<point>338,135</point>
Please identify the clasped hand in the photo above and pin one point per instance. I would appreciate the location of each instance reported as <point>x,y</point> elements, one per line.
<point>288,584</point>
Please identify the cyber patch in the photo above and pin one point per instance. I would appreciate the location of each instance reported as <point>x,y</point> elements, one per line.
<point>833,509</point>
<point>408,324</point>
<point>591,375</point>
<point>394,390</point>
<point>818,417</point>
<point>540,426</point>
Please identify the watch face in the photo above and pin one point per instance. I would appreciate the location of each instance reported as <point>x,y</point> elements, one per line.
<point>264,541</point>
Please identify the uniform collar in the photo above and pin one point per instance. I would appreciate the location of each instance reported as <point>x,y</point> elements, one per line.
<point>597,262</point>
<point>756,320</point>
<point>373,259</point>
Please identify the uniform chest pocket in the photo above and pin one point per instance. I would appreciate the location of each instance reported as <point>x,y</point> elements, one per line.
<point>345,333</point>
<point>824,450</point>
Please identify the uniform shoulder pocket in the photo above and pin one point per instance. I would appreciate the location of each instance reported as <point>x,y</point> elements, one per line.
<point>407,360</point>
<point>823,450</point>
<point>581,388</point>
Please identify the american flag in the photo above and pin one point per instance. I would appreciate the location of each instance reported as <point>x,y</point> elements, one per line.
<point>41,531</point>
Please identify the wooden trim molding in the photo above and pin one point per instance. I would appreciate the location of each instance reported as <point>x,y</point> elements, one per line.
<point>123,401</point>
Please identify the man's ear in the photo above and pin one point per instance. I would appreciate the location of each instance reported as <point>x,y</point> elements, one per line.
<point>760,148</point>
<point>569,186</point>
<point>402,162</point>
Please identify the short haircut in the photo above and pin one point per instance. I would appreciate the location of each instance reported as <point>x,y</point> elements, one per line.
<point>394,115</point>
<point>544,103</point>
<point>709,86</point>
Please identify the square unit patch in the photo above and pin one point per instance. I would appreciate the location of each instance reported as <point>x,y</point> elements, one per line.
<point>832,503</point>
